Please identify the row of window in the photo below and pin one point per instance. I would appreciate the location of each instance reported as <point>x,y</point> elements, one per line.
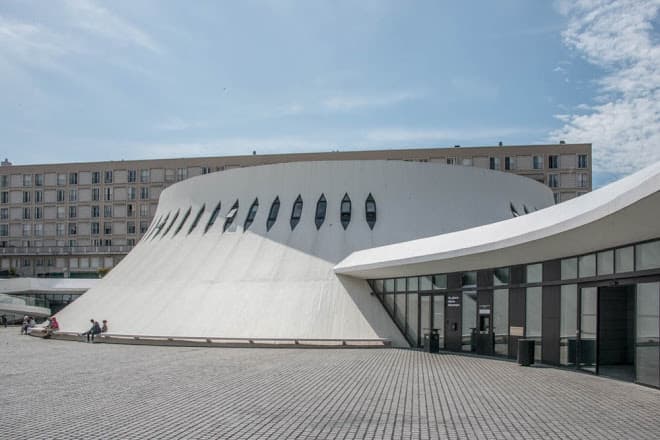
<point>61,229</point>
<point>581,180</point>
<point>72,195</point>
<point>511,163</point>
<point>71,243</point>
<point>72,212</point>
<point>165,224</point>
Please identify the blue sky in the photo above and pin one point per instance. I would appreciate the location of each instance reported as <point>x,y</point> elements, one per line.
<point>93,80</point>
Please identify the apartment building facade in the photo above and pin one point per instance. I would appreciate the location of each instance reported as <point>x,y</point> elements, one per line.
<point>80,219</point>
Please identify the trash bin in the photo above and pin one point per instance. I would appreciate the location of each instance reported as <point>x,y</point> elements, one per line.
<point>525,352</point>
<point>432,341</point>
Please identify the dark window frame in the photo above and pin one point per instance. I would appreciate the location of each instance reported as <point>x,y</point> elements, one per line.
<point>231,216</point>
<point>321,211</point>
<point>345,214</point>
<point>214,217</point>
<point>252,213</point>
<point>295,217</point>
<point>273,213</point>
<point>370,214</point>
<point>193,225</point>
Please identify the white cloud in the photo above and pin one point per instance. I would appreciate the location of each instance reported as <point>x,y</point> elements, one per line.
<point>624,125</point>
<point>352,102</point>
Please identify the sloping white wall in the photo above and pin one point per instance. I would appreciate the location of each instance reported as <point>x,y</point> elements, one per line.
<point>281,283</point>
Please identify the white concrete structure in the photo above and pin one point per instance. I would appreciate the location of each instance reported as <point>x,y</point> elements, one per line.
<point>280,282</point>
<point>624,212</point>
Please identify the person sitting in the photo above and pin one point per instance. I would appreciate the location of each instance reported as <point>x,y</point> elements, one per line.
<point>94,330</point>
<point>52,326</point>
<point>104,327</point>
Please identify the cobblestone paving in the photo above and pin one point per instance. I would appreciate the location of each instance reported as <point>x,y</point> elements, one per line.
<point>69,390</point>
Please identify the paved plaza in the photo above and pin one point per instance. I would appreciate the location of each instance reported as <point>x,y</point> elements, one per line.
<point>70,390</point>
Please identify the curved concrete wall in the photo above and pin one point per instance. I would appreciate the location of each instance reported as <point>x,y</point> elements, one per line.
<point>281,283</point>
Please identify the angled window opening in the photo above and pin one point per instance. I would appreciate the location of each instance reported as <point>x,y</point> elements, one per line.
<point>370,209</point>
<point>272,214</point>
<point>252,213</point>
<point>525,209</point>
<point>321,207</point>
<point>213,218</point>
<point>161,225</point>
<point>231,215</point>
<point>183,221</point>
<point>196,219</point>
<point>152,227</point>
<point>176,215</point>
<point>345,211</point>
<point>514,211</point>
<point>296,212</point>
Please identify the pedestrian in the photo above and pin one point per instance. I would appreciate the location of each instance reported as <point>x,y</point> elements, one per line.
<point>3,320</point>
<point>25,325</point>
<point>104,327</point>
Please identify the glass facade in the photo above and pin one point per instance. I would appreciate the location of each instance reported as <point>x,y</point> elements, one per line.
<point>598,312</point>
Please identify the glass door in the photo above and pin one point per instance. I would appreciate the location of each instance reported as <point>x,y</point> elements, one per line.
<point>647,334</point>
<point>424,316</point>
<point>587,344</point>
<point>439,317</point>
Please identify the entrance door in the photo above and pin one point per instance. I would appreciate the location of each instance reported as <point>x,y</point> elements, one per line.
<point>647,337</point>
<point>484,330</point>
<point>616,332</point>
<point>587,348</point>
<point>432,316</point>
<point>439,317</point>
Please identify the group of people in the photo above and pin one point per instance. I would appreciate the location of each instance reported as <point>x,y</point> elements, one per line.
<point>96,329</point>
<point>28,323</point>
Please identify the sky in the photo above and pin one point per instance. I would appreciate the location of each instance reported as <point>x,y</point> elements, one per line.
<point>89,80</point>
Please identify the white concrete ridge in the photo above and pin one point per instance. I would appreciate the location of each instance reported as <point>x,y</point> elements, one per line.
<point>623,212</point>
<point>280,283</point>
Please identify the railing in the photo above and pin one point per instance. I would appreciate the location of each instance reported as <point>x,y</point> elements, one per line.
<point>229,342</point>
<point>65,250</point>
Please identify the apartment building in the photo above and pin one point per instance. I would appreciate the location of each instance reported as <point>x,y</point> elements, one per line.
<point>80,219</point>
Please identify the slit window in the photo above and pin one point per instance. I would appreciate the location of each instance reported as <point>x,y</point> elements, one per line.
<point>272,214</point>
<point>231,215</point>
<point>176,215</point>
<point>370,210</point>
<point>525,209</point>
<point>345,211</point>
<point>251,214</point>
<point>321,207</point>
<point>296,212</point>
<point>513,209</point>
<point>213,218</point>
<point>152,227</point>
<point>160,226</point>
<point>183,221</point>
<point>196,219</point>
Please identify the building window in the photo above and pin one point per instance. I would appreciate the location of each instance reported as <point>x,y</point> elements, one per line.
<point>370,210</point>
<point>27,196</point>
<point>509,163</point>
<point>582,161</point>
<point>581,180</point>
<point>39,180</point>
<point>4,181</point>
<point>131,192</point>
<point>107,176</point>
<point>466,162</point>
<point>27,229</point>
<point>513,210</point>
<point>130,227</point>
<point>95,228</point>
<point>176,215</point>
<point>143,226</point>
<point>61,213</point>
<point>96,177</point>
<point>73,212</point>
<point>214,216</point>
<point>494,163</point>
<point>61,179</point>
<point>230,216</point>
<point>345,211</point>
<point>72,229</point>
<point>107,210</point>
<point>169,175</point>
<point>272,214</point>
<point>27,179</point>
<point>251,214</point>
<point>73,195</point>
<point>553,161</point>
<point>181,174</point>
<point>144,210</point>
<point>183,221</point>
<point>553,180</point>
<point>4,230</point>
<point>96,211</point>
<point>132,176</point>
<point>26,213</point>
<point>296,212</point>
<point>39,229</point>
<point>107,194</point>
<point>144,176</point>
<point>321,207</point>
<point>451,161</point>
<point>38,196</point>
<point>61,195</point>
<point>4,214</point>
<point>107,228</point>
<point>4,197</point>
<point>144,193</point>
<point>96,194</point>
<point>73,178</point>
<point>501,276</point>
<point>534,273</point>
<point>537,162</point>
<point>193,225</point>
<point>556,197</point>
<point>59,229</point>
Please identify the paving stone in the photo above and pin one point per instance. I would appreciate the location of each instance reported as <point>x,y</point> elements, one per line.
<point>67,390</point>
